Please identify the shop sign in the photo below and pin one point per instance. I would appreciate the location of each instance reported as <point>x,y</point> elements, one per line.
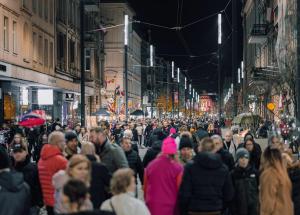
<point>69,97</point>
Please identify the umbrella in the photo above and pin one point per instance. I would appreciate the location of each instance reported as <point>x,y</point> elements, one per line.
<point>137,113</point>
<point>101,112</point>
<point>31,121</point>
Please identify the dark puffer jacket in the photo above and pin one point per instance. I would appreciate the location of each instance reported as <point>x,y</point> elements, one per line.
<point>227,158</point>
<point>245,182</point>
<point>206,185</point>
<point>99,183</point>
<point>152,153</point>
<point>31,177</point>
<point>135,163</point>
<point>14,194</point>
<point>295,178</point>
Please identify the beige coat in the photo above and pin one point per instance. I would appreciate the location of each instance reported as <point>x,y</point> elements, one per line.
<point>275,194</point>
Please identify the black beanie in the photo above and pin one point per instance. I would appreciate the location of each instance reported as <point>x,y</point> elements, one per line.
<point>4,158</point>
<point>185,142</point>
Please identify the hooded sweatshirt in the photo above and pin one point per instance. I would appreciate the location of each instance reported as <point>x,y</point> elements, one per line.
<point>206,185</point>
<point>51,162</point>
<point>14,194</point>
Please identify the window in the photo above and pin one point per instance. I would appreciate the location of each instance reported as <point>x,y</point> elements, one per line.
<point>5,33</point>
<point>25,4</point>
<point>34,41</point>
<point>51,55</point>
<point>34,5</point>
<point>14,37</point>
<point>72,51</point>
<point>40,49</point>
<point>46,10</point>
<point>87,60</point>
<point>41,8</point>
<point>46,53</point>
<point>51,11</point>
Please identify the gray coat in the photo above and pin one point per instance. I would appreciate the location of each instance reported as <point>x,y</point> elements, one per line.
<point>113,157</point>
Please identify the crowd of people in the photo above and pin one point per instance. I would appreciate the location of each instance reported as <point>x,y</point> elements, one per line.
<point>188,169</point>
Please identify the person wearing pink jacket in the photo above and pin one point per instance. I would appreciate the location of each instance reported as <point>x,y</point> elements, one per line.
<point>162,180</point>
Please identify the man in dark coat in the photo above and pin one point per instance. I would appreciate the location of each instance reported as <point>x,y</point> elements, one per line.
<point>206,185</point>
<point>295,179</point>
<point>14,192</point>
<point>226,157</point>
<point>29,170</point>
<point>134,160</point>
<point>152,152</point>
<point>245,181</point>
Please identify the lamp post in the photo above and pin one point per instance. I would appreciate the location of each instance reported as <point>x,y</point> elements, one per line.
<point>172,89</point>
<point>219,59</point>
<point>190,95</point>
<point>152,79</point>
<point>82,5</point>
<point>126,63</point>
<point>178,80</point>
<point>185,88</point>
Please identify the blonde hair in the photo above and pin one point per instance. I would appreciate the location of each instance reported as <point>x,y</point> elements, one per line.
<point>76,160</point>
<point>121,180</point>
<point>88,148</point>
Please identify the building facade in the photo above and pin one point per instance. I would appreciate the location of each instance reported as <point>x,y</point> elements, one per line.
<point>270,41</point>
<point>113,96</point>
<point>40,59</point>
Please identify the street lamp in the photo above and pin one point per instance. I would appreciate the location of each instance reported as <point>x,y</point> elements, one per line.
<point>82,7</point>
<point>239,75</point>
<point>173,67</point>
<point>219,59</point>
<point>178,80</point>
<point>152,78</point>
<point>126,63</point>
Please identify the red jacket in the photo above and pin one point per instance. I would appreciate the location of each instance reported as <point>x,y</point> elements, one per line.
<point>51,162</point>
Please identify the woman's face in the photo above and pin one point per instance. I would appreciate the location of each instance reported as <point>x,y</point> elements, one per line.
<point>249,145</point>
<point>17,139</point>
<point>80,171</point>
<point>83,130</point>
<point>132,186</point>
<point>276,142</point>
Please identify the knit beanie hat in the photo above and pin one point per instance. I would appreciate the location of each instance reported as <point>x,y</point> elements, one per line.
<point>172,131</point>
<point>185,142</point>
<point>70,135</point>
<point>169,146</point>
<point>4,159</point>
<point>242,153</point>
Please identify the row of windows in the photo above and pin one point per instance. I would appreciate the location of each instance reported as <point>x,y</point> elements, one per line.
<point>43,8</point>
<point>42,49</point>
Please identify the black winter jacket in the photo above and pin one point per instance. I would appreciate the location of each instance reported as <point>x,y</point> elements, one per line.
<point>227,158</point>
<point>295,178</point>
<point>245,182</point>
<point>99,183</point>
<point>31,177</point>
<point>206,185</point>
<point>152,153</point>
<point>14,194</point>
<point>135,163</point>
<point>95,212</point>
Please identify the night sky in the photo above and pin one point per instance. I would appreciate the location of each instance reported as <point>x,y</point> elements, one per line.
<point>198,40</point>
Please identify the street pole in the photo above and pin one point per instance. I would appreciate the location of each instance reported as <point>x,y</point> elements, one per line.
<point>126,63</point>
<point>82,65</point>
<point>172,81</point>
<point>185,87</point>
<point>219,63</point>
<point>168,91</point>
<point>152,80</point>
<point>234,55</point>
<point>190,95</point>
<point>178,80</point>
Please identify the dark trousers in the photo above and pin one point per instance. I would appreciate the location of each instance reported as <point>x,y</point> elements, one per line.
<point>140,139</point>
<point>49,210</point>
<point>205,213</point>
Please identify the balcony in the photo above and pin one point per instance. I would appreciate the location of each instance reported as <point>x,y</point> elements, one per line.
<point>258,34</point>
<point>265,73</point>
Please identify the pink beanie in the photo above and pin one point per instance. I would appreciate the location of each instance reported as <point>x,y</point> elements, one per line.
<point>172,131</point>
<point>169,146</point>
